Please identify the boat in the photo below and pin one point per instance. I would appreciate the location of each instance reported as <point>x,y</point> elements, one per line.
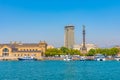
<point>82,58</point>
<point>117,58</point>
<point>86,58</point>
<point>27,58</point>
<point>99,57</point>
<point>67,58</point>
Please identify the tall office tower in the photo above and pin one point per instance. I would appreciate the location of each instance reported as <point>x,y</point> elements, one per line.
<point>84,49</point>
<point>69,36</point>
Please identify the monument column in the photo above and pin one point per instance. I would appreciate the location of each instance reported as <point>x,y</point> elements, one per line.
<point>84,49</point>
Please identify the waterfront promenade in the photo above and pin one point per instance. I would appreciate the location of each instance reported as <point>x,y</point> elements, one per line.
<point>54,58</point>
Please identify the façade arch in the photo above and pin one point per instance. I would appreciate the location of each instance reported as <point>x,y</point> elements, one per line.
<point>5,52</point>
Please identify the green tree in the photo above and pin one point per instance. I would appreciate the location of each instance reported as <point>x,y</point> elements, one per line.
<point>64,50</point>
<point>52,52</point>
<point>114,51</point>
<point>77,52</point>
<point>91,52</point>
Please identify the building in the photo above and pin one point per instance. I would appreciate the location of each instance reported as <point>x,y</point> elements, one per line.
<point>50,47</point>
<point>88,46</point>
<point>16,50</point>
<point>69,36</point>
<point>118,47</point>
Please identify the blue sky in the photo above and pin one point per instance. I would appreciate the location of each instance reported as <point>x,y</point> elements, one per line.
<point>35,20</point>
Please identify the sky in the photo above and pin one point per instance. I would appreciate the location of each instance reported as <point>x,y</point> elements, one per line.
<point>31,21</point>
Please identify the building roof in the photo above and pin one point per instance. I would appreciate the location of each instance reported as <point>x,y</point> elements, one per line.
<point>69,26</point>
<point>20,45</point>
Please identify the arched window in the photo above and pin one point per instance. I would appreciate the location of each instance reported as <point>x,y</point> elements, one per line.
<point>33,49</point>
<point>5,52</point>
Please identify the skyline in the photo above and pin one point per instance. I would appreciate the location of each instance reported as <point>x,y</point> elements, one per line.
<point>32,21</point>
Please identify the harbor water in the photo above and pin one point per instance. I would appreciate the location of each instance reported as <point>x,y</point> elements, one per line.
<point>59,70</point>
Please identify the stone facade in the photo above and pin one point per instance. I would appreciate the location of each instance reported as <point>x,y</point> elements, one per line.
<point>17,50</point>
<point>88,46</point>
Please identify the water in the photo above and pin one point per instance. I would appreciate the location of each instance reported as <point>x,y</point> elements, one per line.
<point>59,70</point>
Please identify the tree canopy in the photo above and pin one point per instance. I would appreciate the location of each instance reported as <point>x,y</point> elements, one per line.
<point>105,51</point>
<point>61,51</point>
<point>92,52</point>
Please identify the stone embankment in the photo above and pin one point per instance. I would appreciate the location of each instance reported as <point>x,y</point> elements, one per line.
<point>54,58</point>
<point>8,58</point>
